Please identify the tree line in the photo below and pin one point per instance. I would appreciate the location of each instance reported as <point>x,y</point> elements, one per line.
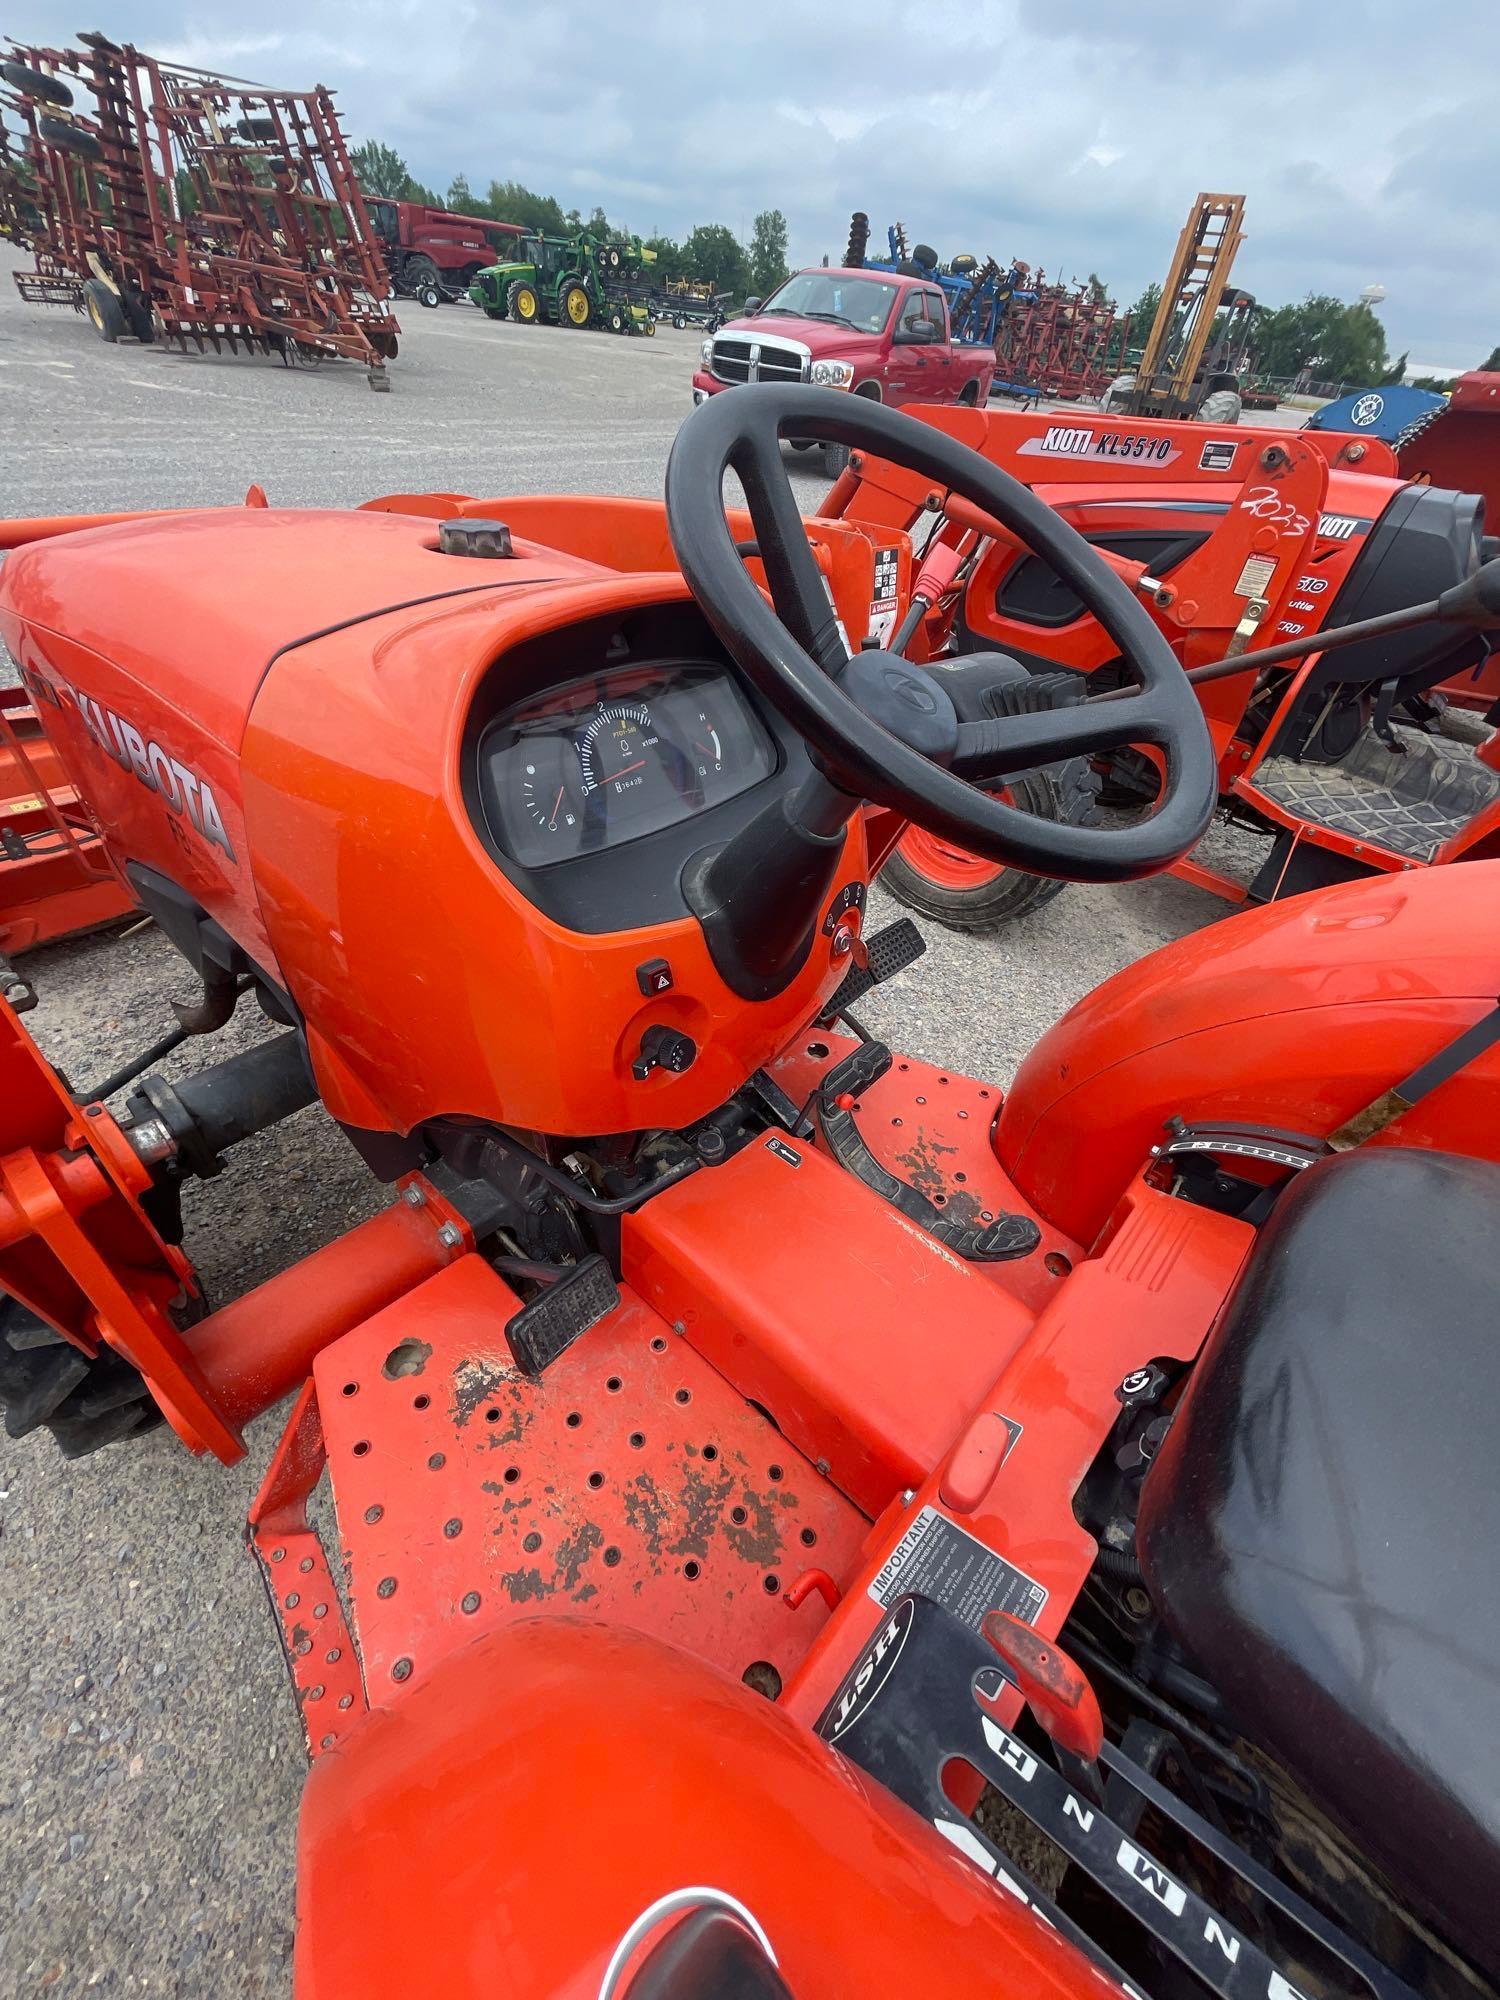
<point>1321,337</point>
<point>711,254</point>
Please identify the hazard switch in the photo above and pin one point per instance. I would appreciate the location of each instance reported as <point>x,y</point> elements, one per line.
<point>655,976</point>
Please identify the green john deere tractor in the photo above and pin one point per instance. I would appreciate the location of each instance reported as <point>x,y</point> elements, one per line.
<point>566,281</point>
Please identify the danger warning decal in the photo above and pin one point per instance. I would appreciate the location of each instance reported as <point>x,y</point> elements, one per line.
<point>936,1558</point>
<point>1078,441</point>
<point>883,599</point>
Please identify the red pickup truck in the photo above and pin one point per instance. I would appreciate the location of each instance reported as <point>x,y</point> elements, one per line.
<point>874,333</point>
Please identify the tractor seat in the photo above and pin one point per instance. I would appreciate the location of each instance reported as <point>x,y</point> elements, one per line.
<point>1320,1527</point>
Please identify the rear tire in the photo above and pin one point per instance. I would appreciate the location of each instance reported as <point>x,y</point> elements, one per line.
<point>963,892</point>
<point>494,312</point>
<point>46,1384</point>
<point>106,314</point>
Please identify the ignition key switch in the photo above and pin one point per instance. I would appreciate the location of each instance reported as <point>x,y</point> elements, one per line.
<point>664,1048</point>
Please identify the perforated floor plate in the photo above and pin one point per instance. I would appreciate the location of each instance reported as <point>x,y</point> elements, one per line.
<point>629,1483</point>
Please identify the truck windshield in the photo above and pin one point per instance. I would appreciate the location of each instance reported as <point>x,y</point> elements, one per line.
<point>864,303</point>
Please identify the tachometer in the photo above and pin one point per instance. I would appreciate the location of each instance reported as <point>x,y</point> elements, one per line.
<point>620,750</point>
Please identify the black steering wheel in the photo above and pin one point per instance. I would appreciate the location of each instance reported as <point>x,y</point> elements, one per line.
<point>887,731</point>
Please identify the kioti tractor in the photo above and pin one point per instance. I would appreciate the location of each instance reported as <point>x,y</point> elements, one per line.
<point>1295,575</point>
<point>770,1470</point>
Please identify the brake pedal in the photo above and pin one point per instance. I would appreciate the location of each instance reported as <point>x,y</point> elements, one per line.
<point>887,952</point>
<point>557,1317</point>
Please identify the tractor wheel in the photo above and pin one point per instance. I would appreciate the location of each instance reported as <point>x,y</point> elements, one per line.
<point>36,83</point>
<point>573,305</point>
<point>494,312</point>
<point>1222,407</point>
<point>523,303</point>
<point>964,893</point>
<point>106,314</point>
<point>46,1383</point>
<point>616,319</point>
<point>648,327</point>
<point>70,138</point>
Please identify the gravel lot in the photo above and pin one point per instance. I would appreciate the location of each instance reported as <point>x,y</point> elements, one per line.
<point>149,1756</point>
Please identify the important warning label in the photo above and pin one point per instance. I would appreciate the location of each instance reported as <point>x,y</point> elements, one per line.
<point>1254,577</point>
<point>942,1561</point>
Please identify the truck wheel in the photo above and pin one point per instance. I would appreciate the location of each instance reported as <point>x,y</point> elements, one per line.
<point>968,395</point>
<point>523,303</point>
<point>106,314</point>
<point>965,893</point>
<point>45,1383</point>
<point>573,305</point>
<point>36,83</point>
<point>836,456</point>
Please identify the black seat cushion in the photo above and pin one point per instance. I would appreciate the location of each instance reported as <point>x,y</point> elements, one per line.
<point>1322,1525</point>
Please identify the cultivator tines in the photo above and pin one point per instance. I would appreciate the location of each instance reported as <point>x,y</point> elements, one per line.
<point>1056,341</point>
<point>191,207</point>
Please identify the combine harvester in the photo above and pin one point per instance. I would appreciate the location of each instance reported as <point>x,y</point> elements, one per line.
<point>170,204</point>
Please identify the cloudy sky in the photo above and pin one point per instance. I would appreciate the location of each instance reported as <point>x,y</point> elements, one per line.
<point>1071,133</point>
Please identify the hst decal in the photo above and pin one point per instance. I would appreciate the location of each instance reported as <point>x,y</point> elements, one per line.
<point>175,783</point>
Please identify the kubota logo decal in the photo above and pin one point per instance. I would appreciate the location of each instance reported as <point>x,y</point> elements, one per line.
<point>182,790</point>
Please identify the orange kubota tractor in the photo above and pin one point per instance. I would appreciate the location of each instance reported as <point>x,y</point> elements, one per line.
<point>768,1469</point>
<point>1264,539</point>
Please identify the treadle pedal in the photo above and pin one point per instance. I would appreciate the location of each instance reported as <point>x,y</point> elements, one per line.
<point>889,951</point>
<point>556,1317</point>
<point>996,1242</point>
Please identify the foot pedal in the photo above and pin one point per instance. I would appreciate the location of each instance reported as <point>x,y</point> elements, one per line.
<point>994,1242</point>
<point>888,952</point>
<point>556,1317</point>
